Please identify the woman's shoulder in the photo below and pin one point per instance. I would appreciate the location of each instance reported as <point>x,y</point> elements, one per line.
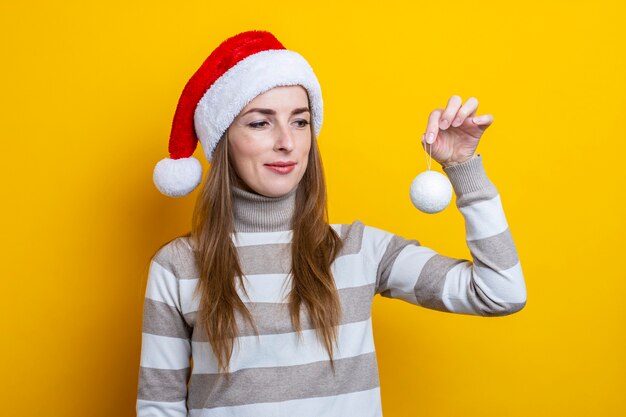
<point>178,256</point>
<point>357,229</point>
<point>357,233</point>
<point>349,231</point>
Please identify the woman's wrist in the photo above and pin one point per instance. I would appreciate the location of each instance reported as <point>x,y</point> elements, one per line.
<point>452,163</point>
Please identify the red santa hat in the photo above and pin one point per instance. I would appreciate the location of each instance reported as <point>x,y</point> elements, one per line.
<point>240,68</point>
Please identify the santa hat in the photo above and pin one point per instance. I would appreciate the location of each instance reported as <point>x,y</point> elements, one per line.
<point>240,68</point>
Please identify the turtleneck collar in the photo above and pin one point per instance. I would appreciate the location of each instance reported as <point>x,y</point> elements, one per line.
<point>254,212</point>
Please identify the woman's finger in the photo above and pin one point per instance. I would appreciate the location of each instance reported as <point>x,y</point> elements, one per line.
<point>483,120</point>
<point>454,103</point>
<point>432,129</point>
<point>473,112</point>
<point>466,110</point>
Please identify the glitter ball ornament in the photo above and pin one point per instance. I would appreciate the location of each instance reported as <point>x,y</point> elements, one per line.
<point>431,192</point>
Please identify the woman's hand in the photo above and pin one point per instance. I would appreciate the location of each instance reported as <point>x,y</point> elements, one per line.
<point>453,133</point>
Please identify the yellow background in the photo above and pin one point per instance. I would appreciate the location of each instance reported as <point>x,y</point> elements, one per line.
<point>88,94</point>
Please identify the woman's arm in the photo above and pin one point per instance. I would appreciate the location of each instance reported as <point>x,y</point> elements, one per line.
<point>165,343</point>
<point>490,285</point>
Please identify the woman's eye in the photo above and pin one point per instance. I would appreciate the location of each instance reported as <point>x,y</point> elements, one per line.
<point>256,125</point>
<point>302,122</point>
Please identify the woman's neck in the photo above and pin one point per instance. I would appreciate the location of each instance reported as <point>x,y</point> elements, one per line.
<point>254,212</point>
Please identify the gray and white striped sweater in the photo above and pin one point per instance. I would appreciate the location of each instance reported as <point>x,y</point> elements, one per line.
<point>274,373</point>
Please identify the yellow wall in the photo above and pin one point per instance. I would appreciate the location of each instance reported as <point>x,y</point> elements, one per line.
<point>88,94</point>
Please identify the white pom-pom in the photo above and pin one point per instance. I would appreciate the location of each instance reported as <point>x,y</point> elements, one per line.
<point>431,192</point>
<point>177,177</point>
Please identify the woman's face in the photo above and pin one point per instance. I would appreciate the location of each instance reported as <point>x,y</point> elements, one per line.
<point>270,140</point>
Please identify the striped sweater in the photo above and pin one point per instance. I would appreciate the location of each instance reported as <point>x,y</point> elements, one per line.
<point>274,373</point>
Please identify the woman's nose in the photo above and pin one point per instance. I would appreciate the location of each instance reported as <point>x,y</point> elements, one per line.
<point>285,140</point>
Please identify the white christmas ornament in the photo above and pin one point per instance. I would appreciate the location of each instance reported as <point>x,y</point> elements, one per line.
<point>431,191</point>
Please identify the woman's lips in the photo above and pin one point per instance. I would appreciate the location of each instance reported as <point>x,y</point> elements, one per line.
<point>281,168</point>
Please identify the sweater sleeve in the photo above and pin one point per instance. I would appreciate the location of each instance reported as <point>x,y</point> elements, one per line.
<point>491,284</point>
<point>165,344</point>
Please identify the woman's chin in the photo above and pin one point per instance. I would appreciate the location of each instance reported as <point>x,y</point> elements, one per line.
<point>276,189</point>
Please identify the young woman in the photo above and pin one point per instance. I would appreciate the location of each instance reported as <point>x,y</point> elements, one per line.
<point>264,308</point>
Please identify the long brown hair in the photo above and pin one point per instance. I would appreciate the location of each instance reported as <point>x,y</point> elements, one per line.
<point>314,247</point>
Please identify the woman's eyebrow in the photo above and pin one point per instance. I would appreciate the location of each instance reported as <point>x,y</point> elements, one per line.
<point>273,112</point>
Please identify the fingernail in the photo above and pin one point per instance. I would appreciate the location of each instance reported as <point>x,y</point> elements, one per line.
<point>456,122</point>
<point>443,123</point>
<point>431,137</point>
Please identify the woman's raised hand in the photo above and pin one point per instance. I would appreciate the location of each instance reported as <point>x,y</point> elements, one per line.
<point>453,133</point>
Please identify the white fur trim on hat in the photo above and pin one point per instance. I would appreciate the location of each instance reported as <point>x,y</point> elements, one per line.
<point>250,77</point>
<point>177,177</point>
